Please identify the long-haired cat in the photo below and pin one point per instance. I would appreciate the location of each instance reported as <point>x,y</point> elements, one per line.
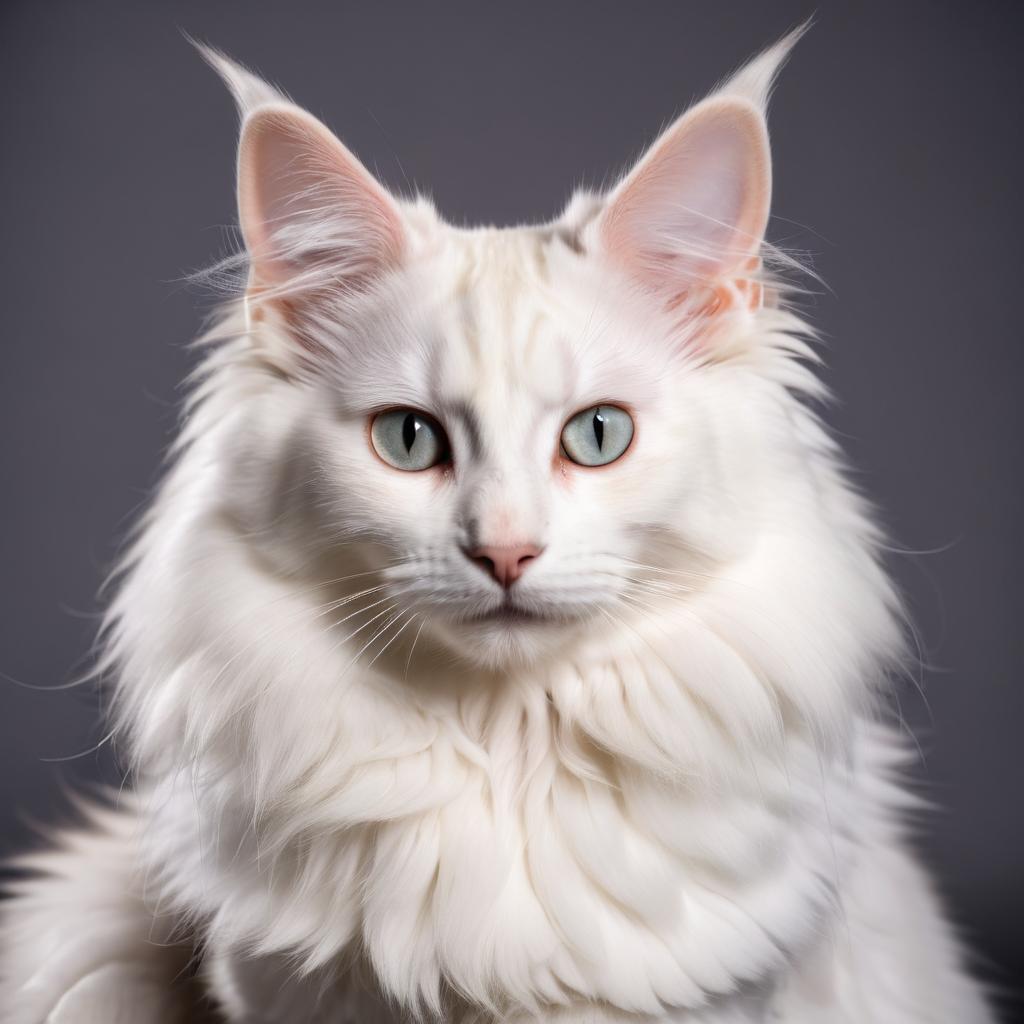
<point>506,642</point>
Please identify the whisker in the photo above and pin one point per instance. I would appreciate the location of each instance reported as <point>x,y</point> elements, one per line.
<point>415,640</point>
<point>401,629</point>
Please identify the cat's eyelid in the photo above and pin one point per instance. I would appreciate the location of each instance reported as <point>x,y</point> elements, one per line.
<point>606,403</point>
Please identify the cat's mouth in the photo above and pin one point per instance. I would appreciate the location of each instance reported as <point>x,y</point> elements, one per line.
<point>510,615</point>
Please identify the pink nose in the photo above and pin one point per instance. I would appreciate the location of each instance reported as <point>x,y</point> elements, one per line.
<point>505,565</point>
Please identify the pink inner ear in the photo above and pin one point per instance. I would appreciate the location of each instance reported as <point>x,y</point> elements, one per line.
<point>308,208</point>
<point>694,210</point>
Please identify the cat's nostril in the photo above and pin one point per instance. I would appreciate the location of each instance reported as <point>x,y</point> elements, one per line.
<point>504,564</point>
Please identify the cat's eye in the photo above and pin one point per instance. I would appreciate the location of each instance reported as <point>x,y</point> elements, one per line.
<point>408,440</point>
<point>598,435</point>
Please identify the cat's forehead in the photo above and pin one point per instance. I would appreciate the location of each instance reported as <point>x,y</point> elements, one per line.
<point>510,314</point>
<point>502,320</point>
<point>513,323</point>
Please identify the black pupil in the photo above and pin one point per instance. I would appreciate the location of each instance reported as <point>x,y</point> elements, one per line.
<point>599,428</point>
<point>410,427</point>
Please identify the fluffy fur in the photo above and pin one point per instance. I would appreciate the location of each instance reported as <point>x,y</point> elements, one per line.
<point>662,791</point>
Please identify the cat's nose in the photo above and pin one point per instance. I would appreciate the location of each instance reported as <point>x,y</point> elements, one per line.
<point>504,564</point>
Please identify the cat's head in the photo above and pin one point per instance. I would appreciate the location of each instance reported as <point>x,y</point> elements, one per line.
<point>523,435</point>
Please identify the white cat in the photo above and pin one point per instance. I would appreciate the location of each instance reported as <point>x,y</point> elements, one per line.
<point>506,641</point>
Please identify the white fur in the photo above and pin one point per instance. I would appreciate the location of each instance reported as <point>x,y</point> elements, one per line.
<point>675,801</point>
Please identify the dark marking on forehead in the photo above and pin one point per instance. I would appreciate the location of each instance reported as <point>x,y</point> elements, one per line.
<point>570,237</point>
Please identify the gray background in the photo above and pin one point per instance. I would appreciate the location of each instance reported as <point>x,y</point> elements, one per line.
<point>897,141</point>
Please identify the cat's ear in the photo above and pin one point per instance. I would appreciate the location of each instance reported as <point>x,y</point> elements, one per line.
<point>692,213</point>
<point>694,209</point>
<point>312,216</point>
<point>308,208</point>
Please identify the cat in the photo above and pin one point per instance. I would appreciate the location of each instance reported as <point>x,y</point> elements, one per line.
<point>505,641</point>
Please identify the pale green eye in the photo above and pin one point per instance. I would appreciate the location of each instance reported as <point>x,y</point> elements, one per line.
<point>409,440</point>
<point>598,435</point>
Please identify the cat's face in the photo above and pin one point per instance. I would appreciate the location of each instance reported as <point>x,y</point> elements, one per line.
<point>506,431</point>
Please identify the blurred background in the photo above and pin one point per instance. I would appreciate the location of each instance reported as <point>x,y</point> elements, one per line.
<point>897,139</point>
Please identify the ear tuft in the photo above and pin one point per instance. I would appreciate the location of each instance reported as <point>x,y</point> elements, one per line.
<point>755,80</point>
<point>250,91</point>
